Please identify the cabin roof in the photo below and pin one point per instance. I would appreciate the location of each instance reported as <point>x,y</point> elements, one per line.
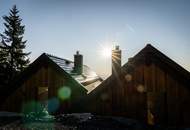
<point>86,82</point>
<point>87,77</point>
<point>149,54</point>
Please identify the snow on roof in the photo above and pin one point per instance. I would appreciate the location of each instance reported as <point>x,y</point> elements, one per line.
<point>87,77</point>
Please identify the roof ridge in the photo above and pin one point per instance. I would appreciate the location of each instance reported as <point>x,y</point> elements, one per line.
<point>159,54</point>
<point>156,52</point>
<point>51,55</point>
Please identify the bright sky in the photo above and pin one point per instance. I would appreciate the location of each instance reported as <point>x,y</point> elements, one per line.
<point>60,27</point>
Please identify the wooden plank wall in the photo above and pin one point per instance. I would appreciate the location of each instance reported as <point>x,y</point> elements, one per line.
<point>46,76</point>
<point>28,91</point>
<point>166,97</point>
<point>121,98</point>
<point>169,98</point>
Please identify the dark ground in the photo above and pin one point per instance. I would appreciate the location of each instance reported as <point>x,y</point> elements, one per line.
<point>75,122</point>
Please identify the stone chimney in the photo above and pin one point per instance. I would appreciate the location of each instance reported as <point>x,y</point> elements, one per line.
<point>78,63</point>
<point>116,60</point>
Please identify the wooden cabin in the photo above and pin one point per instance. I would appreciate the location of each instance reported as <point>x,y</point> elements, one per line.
<point>52,82</point>
<point>150,87</point>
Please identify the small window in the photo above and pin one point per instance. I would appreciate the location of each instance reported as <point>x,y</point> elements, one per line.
<point>42,94</point>
<point>42,90</point>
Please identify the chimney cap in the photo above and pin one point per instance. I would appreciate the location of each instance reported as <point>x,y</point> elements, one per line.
<point>77,52</point>
<point>117,47</point>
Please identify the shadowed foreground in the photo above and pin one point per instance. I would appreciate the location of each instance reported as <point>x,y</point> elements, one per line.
<point>83,121</point>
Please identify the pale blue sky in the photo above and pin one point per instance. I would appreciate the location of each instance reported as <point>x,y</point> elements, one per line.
<point>60,27</point>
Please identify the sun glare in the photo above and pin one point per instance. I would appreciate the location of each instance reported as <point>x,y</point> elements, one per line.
<point>106,52</point>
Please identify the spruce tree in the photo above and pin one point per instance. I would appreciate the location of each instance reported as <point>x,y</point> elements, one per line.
<point>12,49</point>
<point>4,65</point>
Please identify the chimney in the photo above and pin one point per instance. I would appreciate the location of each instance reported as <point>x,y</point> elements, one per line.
<point>78,63</point>
<point>116,60</point>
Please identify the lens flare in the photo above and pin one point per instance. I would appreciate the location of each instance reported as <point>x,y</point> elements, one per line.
<point>140,88</point>
<point>53,104</point>
<point>128,77</point>
<point>64,93</point>
<point>32,106</point>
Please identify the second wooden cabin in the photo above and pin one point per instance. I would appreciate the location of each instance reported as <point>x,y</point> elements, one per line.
<point>150,87</point>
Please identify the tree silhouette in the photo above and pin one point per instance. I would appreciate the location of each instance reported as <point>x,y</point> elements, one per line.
<point>4,65</point>
<point>13,59</point>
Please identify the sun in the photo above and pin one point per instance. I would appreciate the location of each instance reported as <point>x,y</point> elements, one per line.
<point>106,52</point>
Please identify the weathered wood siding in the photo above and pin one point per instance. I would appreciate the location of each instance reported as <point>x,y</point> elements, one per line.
<point>144,88</point>
<point>48,77</point>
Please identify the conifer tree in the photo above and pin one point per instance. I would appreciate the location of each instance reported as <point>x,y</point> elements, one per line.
<point>12,45</point>
<point>3,65</point>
